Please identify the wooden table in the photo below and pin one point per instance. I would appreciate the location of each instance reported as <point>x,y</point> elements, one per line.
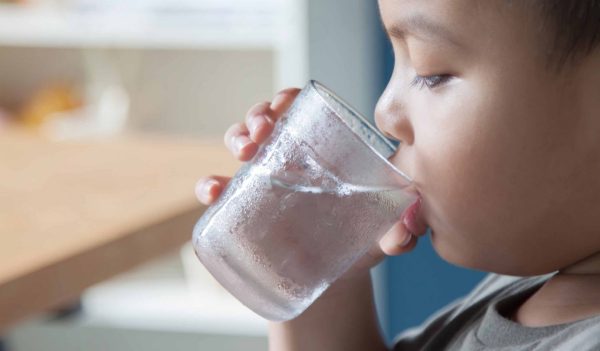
<point>75,213</point>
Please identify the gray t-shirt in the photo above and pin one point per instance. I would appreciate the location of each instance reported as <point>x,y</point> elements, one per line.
<point>476,322</point>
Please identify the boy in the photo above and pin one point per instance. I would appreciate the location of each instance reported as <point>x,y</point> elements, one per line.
<point>496,104</point>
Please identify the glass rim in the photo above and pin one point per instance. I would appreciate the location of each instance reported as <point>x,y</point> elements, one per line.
<point>319,88</point>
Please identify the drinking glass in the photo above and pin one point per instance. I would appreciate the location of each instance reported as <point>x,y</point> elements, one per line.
<point>316,196</point>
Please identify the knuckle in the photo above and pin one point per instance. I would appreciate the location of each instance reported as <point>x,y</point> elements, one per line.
<point>228,134</point>
<point>258,109</point>
<point>231,132</point>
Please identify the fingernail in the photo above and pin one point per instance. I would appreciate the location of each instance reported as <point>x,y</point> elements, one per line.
<point>254,123</point>
<point>407,240</point>
<point>277,101</point>
<point>240,143</point>
<point>204,193</point>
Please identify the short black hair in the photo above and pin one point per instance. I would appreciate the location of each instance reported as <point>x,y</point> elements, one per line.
<point>573,27</point>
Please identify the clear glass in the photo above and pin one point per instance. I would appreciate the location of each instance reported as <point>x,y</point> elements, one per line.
<point>313,200</point>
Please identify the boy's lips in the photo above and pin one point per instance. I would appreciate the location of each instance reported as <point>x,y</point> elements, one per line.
<point>412,218</point>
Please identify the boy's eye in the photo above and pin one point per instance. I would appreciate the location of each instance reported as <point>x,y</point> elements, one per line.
<point>430,81</point>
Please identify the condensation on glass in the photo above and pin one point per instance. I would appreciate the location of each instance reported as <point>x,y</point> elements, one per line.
<point>313,200</point>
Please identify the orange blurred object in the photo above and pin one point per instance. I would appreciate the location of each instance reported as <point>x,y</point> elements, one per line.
<point>45,104</point>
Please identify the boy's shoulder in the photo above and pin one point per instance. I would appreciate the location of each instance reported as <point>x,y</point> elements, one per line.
<point>475,322</point>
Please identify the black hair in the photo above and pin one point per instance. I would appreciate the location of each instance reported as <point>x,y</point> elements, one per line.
<point>573,27</point>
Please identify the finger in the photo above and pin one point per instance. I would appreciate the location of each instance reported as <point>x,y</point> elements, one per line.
<point>261,118</point>
<point>260,122</point>
<point>237,141</point>
<point>283,100</point>
<point>397,240</point>
<point>372,257</point>
<point>232,133</point>
<point>208,189</point>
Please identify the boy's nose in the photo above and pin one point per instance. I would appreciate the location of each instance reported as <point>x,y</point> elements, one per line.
<point>391,119</point>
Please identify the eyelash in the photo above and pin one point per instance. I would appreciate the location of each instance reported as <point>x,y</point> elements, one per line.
<point>430,81</point>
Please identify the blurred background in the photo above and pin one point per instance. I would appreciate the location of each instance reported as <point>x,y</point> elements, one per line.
<point>115,82</point>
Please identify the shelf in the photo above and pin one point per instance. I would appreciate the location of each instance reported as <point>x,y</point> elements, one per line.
<point>178,27</point>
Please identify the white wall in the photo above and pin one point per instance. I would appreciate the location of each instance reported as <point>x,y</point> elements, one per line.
<point>343,50</point>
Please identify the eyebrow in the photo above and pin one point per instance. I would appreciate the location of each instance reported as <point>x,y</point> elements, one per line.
<point>421,27</point>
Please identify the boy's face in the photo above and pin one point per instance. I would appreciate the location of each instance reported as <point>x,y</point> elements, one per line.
<point>503,151</point>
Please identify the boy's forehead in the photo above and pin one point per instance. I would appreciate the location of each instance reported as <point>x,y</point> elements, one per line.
<point>451,20</point>
<point>451,7</point>
<point>419,25</point>
<point>435,10</point>
<point>422,18</point>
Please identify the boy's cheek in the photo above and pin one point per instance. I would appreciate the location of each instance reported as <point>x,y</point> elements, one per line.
<point>461,165</point>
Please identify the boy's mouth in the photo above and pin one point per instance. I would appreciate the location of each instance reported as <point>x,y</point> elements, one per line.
<point>412,218</point>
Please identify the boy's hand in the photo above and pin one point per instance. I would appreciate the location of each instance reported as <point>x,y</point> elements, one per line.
<point>243,139</point>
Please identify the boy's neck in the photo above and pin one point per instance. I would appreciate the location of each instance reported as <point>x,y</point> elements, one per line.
<point>589,265</point>
<point>569,296</point>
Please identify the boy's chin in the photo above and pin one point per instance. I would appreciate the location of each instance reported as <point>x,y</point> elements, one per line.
<point>489,260</point>
<point>463,254</point>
